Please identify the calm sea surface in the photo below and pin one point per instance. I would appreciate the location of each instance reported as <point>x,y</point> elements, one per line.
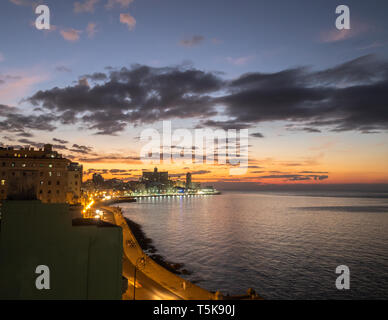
<point>285,246</point>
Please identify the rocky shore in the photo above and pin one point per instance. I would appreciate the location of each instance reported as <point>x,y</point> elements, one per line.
<point>147,246</point>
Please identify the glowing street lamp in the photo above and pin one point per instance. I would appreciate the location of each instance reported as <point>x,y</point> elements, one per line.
<point>140,265</point>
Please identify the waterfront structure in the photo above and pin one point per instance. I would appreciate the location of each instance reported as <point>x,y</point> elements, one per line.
<point>82,257</point>
<point>33,174</point>
<point>74,182</point>
<point>188,180</point>
<point>155,176</point>
<point>98,180</point>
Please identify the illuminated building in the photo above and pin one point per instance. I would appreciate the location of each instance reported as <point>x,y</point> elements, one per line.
<point>188,180</point>
<point>41,174</point>
<point>74,181</point>
<point>155,176</point>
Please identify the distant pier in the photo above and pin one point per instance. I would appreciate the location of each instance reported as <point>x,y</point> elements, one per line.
<point>175,195</point>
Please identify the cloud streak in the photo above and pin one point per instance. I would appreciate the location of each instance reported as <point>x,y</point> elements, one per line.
<point>350,96</point>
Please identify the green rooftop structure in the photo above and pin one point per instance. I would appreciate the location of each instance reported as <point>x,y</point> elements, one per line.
<point>45,254</point>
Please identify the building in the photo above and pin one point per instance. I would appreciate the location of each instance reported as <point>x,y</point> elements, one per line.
<point>33,174</point>
<point>98,179</point>
<point>74,182</point>
<point>188,180</point>
<point>82,257</point>
<point>155,176</point>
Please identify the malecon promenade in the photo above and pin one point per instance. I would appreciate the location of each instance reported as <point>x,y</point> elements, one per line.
<point>153,282</point>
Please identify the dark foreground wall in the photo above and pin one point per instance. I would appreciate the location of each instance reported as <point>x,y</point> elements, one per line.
<point>84,258</point>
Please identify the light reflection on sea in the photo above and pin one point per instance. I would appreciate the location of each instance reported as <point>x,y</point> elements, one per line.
<point>286,246</point>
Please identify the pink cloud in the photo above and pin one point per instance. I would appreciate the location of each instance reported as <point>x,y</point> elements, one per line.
<point>335,35</point>
<point>71,34</point>
<point>86,6</point>
<point>24,2</point>
<point>91,29</point>
<point>17,84</point>
<point>127,19</point>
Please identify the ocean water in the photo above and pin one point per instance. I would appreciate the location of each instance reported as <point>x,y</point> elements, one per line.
<point>285,246</point>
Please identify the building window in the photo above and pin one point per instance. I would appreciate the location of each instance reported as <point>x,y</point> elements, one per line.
<point>24,165</point>
<point>13,164</point>
<point>50,173</point>
<point>50,165</point>
<point>4,164</point>
<point>3,182</point>
<point>41,183</point>
<point>58,174</point>
<point>58,183</point>
<point>57,191</point>
<point>41,191</point>
<point>41,173</point>
<point>49,192</point>
<point>49,183</point>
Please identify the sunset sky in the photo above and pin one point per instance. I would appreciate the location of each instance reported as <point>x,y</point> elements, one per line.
<point>314,98</point>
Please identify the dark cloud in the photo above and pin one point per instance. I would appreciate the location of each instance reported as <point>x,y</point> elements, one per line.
<point>351,96</point>
<point>63,69</point>
<point>192,41</point>
<point>225,125</point>
<point>257,135</point>
<point>317,172</point>
<point>60,141</point>
<point>140,94</point>
<point>200,172</point>
<point>25,134</point>
<point>97,76</point>
<point>81,149</point>
<point>295,177</point>
<point>12,120</point>
<point>111,158</point>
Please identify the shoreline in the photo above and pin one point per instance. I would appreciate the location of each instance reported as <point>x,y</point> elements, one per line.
<point>147,246</point>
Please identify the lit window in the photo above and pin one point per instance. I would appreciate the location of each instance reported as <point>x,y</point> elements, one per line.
<point>50,173</point>
<point>41,182</point>
<point>3,182</point>
<point>50,165</point>
<point>12,164</point>
<point>58,174</point>
<point>24,165</point>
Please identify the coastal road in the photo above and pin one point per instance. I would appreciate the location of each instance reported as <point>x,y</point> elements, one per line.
<point>149,290</point>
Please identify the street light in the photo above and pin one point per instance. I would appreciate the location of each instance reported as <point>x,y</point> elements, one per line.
<point>140,265</point>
